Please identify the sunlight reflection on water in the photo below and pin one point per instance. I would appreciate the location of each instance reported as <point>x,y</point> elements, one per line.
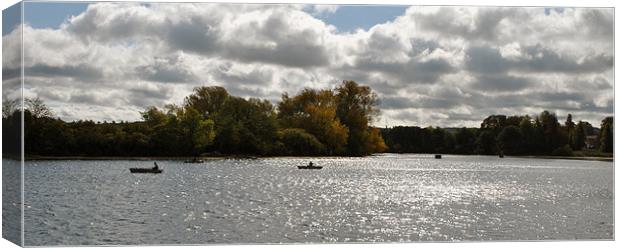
<point>380,198</point>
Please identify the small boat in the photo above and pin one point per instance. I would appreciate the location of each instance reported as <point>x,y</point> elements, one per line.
<point>194,161</point>
<point>308,167</point>
<point>438,156</point>
<point>155,169</point>
<point>145,170</point>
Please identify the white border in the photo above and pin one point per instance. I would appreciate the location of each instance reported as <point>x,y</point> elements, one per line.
<point>550,3</point>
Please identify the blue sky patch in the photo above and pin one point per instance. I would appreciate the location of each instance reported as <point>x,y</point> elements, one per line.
<point>50,14</point>
<point>349,18</point>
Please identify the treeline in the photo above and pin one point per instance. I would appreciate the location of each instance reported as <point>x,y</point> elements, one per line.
<point>498,134</point>
<point>211,121</point>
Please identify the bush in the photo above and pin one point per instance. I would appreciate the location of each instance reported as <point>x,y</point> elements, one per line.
<point>563,151</point>
<point>299,142</point>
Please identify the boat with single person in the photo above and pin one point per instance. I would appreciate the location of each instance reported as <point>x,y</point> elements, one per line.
<point>155,169</point>
<point>310,166</point>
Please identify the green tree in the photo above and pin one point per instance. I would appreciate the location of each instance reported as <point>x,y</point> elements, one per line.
<point>607,135</point>
<point>465,141</point>
<point>509,140</point>
<point>494,122</point>
<point>579,137</point>
<point>356,108</point>
<point>207,100</point>
<point>296,141</point>
<point>485,143</point>
<point>315,112</point>
<point>554,138</point>
<point>569,128</point>
<point>197,131</point>
<point>246,126</point>
<point>153,116</point>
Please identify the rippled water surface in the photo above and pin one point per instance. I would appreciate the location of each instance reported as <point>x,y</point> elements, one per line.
<point>380,198</point>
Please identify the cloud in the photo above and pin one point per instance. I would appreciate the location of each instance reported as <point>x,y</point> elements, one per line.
<point>500,83</point>
<point>166,70</point>
<point>323,9</point>
<point>80,71</point>
<point>446,66</point>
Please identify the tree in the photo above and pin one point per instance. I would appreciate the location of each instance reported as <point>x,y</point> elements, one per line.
<point>579,137</point>
<point>551,128</point>
<point>154,116</point>
<point>356,108</point>
<point>9,107</point>
<point>607,135</point>
<point>37,108</point>
<point>375,142</point>
<point>246,126</point>
<point>485,143</point>
<point>298,142</point>
<point>465,141</point>
<point>197,131</point>
<point>207,100</point>
<point>509,140</point>
<point>531,141</point>
<point>494,122</point>
<point>569,127</point>
<point>315,112</point>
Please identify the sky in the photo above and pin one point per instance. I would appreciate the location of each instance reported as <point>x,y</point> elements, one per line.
<point>444,66</point>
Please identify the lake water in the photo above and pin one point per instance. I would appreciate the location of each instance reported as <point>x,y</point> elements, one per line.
<point>385,198</point>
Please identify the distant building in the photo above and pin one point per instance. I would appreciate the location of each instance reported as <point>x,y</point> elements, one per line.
<point>592,141</point>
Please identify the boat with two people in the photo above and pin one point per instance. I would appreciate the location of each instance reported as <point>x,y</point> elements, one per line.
<point>310,166</point>
<point>155,169</point>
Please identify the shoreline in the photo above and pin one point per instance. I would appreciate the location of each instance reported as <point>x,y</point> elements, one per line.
<point>182,158</point>
<point>603,159</point>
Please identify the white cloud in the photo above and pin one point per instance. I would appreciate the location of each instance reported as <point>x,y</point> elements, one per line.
<point>458,63</point>
<point>324,9</point>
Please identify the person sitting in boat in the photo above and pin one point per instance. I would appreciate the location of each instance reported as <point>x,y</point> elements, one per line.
<point>155,167</point>
<point>310,164</point>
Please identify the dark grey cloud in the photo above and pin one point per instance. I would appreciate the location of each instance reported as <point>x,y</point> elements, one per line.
<point>599,22</point>
<point>427,72</point>
<point>144,98</point>
<point>552,101</point>
<point>437,103</point>
<point>396,102</point>
<point>193,36</point>
<point>476,117</point>
<point>536,59</point>
<point>427,102</point>
<point>556,96</point>
<point>500,83</point>
<point>288,53</point>
<point>166,70</point>
<point>544,59</point>
<point>88,98</point>
<point>80,71</point>
<point>255,77</point>
<point>484,59</point>
<point>10,73</point>
<point>420,45</point>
